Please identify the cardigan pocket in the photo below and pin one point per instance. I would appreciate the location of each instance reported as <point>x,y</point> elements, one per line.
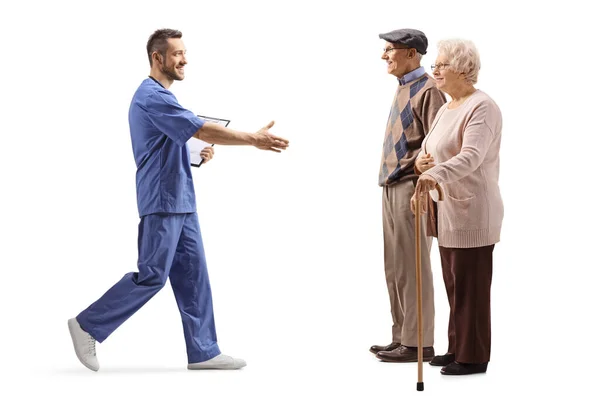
<point>461,214</point>
<point>458,192</point>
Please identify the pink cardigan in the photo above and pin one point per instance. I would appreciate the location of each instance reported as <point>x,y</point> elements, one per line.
<point>467,169</point>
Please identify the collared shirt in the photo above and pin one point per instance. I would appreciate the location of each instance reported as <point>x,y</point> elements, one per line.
<point>160,129</point>
<point>412,75</point>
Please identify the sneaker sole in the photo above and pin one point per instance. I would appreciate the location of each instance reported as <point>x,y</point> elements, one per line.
<point>195,367</point>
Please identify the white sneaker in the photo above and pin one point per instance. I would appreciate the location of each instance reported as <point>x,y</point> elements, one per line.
<point>219,362</point>
<point>84,344</point>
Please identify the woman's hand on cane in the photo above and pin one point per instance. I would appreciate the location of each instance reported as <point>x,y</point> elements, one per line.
<point>424,185</point>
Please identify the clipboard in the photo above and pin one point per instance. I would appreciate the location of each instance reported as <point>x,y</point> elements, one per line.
<point>196,145</point>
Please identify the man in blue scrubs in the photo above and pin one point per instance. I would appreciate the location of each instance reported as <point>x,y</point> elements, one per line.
<point>169,241</point>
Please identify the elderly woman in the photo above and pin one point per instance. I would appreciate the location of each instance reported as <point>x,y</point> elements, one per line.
<point>461,154</point>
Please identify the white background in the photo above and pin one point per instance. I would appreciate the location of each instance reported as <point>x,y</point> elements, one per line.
<point>293,240</point>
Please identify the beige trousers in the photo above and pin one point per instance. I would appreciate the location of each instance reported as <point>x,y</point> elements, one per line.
<point>400,266</point>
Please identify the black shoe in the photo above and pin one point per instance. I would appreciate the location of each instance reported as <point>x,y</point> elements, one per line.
<point>392,346</point>
<point>442,361</point>
<point>406,354</point>
<point>457,368</point>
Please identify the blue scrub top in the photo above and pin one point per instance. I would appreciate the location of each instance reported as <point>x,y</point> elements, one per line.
<point>160,128</point>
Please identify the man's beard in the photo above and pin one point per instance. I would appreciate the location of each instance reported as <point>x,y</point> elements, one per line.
<point>171,73</point>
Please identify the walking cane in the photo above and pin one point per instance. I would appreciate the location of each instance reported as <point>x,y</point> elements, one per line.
<point>420,386</point>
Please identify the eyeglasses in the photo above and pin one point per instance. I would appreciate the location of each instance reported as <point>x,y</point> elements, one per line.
<point>440,66</point>
<point>387,50</point>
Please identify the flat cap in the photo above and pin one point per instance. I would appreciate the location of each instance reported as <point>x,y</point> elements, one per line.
<point>409,37</point>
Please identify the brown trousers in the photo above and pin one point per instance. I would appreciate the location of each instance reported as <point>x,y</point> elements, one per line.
<point>400,266</point>
<point>468,278</point>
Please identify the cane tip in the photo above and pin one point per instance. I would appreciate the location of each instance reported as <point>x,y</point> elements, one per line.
<point>420,387</point>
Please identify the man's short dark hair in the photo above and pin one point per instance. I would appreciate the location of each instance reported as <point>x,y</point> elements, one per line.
<point>158,42</point>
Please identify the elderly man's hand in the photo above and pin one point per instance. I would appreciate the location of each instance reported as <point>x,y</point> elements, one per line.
<point>424,185</point>
<point>207,153</point>
<point>425,163</point>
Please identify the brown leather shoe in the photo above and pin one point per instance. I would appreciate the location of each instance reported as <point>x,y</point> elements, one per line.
<point>406,354</point>
<point>392,346</point>
<point>457,368</point>
<point>442,361</point>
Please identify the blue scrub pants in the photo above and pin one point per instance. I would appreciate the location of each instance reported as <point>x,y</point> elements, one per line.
<point>169,246</point>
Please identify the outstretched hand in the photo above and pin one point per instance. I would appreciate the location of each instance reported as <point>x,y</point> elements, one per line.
<point>264,140</point>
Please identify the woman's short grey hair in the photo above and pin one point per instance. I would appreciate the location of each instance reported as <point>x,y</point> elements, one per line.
<point>463,57</point>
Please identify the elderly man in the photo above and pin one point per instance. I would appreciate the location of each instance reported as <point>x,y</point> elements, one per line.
<point>416,102</point>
